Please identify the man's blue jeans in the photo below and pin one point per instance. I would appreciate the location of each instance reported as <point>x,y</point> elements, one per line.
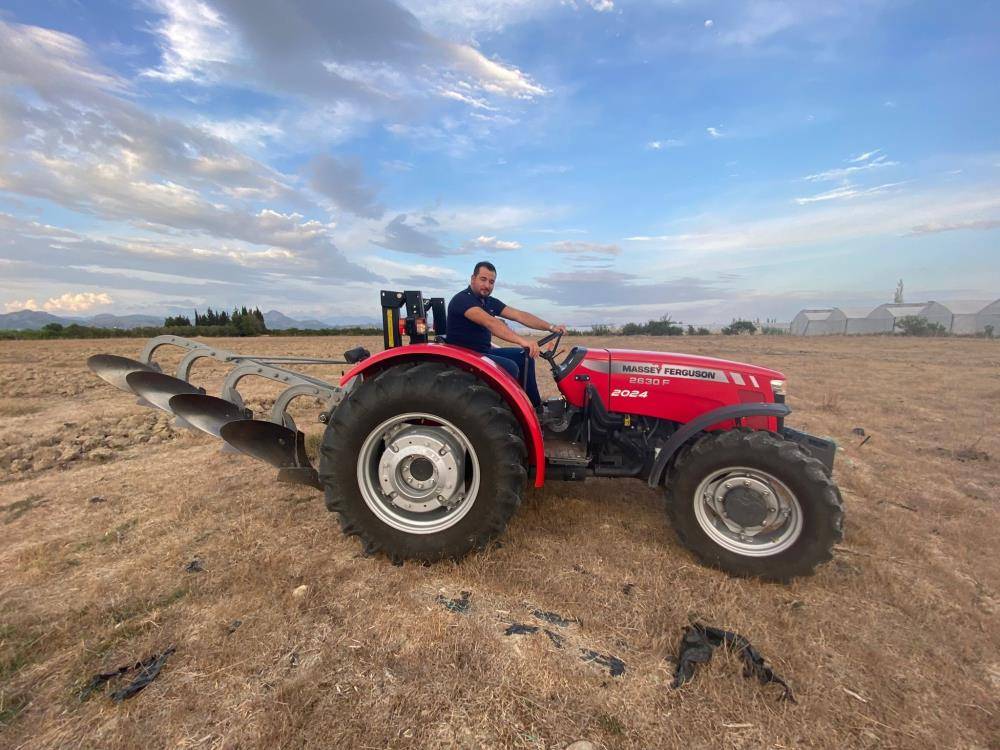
<point>512,359</point>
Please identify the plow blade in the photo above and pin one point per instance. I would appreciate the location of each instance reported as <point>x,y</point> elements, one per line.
<point>274,444</point>
<point>158,389</point>
<point>207,413</point>
<point>115,370</point>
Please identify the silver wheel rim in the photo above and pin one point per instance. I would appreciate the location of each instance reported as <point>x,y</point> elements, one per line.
<point>418,473</point>
<point>776,532</point>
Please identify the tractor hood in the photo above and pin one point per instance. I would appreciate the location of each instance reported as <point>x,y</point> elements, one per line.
<point>675,359</point>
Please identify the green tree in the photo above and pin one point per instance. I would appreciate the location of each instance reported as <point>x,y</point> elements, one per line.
<point>740,327</point>
<point>915,325</point>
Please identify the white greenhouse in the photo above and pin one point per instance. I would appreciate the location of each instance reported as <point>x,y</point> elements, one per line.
<point>814,322</point>
<point>958,317</point>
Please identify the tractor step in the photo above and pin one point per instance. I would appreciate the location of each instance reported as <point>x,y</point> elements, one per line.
<point>565,453</point>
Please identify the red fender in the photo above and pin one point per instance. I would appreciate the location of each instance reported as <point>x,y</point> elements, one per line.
<point>486,369</point>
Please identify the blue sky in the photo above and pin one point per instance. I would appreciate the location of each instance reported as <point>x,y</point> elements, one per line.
<point>616,160</point>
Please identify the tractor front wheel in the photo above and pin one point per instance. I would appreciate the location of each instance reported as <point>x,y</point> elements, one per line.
<point>753,504</point>
<point>423,461</point>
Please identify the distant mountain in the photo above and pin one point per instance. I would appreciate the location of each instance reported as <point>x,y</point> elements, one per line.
<point>275,320</point>
<point>107,320</point>
<point>353,320</point>
<point>278,321</point>
<point>31,320</point>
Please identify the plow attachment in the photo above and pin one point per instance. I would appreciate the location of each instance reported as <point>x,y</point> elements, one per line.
<point>157,388</point>
<point>275,441</point>
<point>207,413</point>
<point>113,369</point>
<point>274,444</point>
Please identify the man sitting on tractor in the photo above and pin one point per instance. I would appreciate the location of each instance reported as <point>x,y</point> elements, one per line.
<point>472,320</point>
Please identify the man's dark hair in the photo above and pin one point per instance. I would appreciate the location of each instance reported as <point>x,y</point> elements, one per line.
<point>483,264</point>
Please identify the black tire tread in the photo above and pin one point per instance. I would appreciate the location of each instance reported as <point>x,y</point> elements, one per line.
<point>488,412</point>
<point>829,519</point>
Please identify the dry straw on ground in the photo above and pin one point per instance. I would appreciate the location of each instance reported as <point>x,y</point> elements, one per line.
<point>103,505</point>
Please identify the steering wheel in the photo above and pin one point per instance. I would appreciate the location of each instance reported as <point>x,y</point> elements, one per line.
<point>549,355</point>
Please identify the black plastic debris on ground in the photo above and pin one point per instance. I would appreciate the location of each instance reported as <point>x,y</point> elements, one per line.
<point>147,670</point>
<point>700,641</point>
<point>557,640</point>
<point>553,618</point>
<point>97,499</point>
<point>519,628</point>
<point>234,626</point>
<point>460,605</point>
<point>195,566</point>
<point>615,665</point>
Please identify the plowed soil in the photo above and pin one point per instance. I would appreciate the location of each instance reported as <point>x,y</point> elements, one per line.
<point>286,635</point>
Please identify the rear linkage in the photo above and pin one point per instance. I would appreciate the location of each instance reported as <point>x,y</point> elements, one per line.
<point>276,441</point>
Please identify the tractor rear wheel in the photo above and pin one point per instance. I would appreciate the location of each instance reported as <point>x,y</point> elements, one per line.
<point>423,461</point>
<point>753,504</point>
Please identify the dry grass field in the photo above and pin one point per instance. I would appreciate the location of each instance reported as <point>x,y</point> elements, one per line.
<point>895,643</point>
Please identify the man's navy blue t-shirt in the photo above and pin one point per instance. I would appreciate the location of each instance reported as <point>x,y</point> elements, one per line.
<point>461,330</point>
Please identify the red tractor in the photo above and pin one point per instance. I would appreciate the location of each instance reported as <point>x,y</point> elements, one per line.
<point>428,447</point>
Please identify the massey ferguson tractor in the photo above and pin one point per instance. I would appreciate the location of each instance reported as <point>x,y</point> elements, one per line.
<point>428,448</point>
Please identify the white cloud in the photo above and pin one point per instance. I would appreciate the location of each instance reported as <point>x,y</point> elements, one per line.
<point>891,213</point>
<point>489,243</point>
<point>606,289</point>
<point>494,219</point>
<point>69,302</point>
<point>248,132</point>
<point>668,143</point>
<point>871,161</point>
<point>573,247</point>
<point>461,18</point>
<point>375,52</point>
<point>18,305</point>
<point>846,191</point>
<point>79,302</point>
<point>864,157</point>
<point>714,132</point>
<point>934,228</point>
<point>709,23</point>
<point>197,42</point>
<point>458,96</point>
<point>84,146</point>
<point>51,61</point>
<point>342,181</point>
<point>412,236</point>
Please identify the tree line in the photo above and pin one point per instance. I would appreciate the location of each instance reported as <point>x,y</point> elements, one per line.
<point>242,321</point>
<point>665,326</point>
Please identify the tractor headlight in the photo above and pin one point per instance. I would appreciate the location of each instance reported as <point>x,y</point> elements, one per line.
<point>778,387</point>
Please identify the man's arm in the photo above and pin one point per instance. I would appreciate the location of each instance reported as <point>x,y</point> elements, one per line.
<point>529,320</point>
<point>499,329</point>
